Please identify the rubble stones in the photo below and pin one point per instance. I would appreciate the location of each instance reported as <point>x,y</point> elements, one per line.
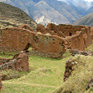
<point>19,62</point>
<point>69,68</point>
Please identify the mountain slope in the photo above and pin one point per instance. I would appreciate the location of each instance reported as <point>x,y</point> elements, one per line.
<point>64,9</point>
<point>12,16</point>
<point>56,11</point>
<point>86,20</point>
<point>48,14</point>
<point>44,11</point>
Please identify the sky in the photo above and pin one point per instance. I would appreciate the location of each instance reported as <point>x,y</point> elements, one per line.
<point>85,0</point>
<point>89,0</point>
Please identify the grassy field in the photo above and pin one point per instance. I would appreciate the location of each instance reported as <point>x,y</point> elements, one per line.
<point>80,77</point>
<point>45,76</point>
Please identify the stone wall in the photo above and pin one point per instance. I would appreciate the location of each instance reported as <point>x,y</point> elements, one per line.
<point>61,30</point>
<point>67,30</point>
<point>69,68</point>
<point>17,39</point>
<point>19,62</point>
<point>81,40</point>
<point>75,37</point>
<point>52,40</point>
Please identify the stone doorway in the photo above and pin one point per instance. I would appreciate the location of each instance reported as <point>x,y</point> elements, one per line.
<point>28,48</point>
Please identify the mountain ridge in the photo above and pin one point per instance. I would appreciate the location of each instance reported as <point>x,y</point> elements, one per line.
<point>59,12</point>
<point>86,20</point>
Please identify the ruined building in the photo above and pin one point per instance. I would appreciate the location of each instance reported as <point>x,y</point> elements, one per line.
<point>75,37</point>
<point>19,62</point>
<point>18,39</point>
<point>51,41</point>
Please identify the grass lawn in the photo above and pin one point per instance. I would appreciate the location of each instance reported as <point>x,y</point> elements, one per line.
<point>45,75</point>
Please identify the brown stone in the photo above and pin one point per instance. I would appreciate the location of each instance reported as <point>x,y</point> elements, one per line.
<point>19,62</point>
<point>50,41</point>
<point>41,28</point>
<point>22,63</point>
<point>69,68</point>
<point>17,39</point>
<point>26,27</point>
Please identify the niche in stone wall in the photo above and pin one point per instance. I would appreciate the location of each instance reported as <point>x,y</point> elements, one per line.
<point>70,34</point>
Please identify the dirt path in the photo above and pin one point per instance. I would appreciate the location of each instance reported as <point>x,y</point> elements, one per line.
<point>33,85</point>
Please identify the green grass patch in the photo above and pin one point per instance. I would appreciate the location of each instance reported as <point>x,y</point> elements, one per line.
<point>11,74</point>
<point>8,54</point>
<point>45,75</point>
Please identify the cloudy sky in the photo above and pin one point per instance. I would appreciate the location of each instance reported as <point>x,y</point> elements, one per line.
<point>85,0</point>
<point>89,0</point>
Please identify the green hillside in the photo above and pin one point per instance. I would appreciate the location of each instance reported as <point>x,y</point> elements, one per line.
<point>11,16</point>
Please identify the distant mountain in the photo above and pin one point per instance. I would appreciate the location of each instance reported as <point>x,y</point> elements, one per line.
<point>64,9</point>
<point>11,17</point>
<point>78,3</point>
<point>44,11</point>
<point>56,11</point>
<point>90,9</point>
<point>86,20</point>
<point>81,6</point>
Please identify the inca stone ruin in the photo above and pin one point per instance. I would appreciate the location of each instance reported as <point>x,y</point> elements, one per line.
<point>19,62</point>
<point>51,41</point>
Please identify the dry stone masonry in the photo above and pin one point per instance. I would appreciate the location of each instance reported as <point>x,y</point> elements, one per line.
<point>19,62</point>
<point>50,41</point>
<point>69,68</point>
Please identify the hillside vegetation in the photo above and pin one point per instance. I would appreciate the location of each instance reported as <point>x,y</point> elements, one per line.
<point>80,77</point>
<point>12,17</point>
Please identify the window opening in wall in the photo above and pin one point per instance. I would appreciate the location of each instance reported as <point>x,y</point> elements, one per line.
<point>70,34</point>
